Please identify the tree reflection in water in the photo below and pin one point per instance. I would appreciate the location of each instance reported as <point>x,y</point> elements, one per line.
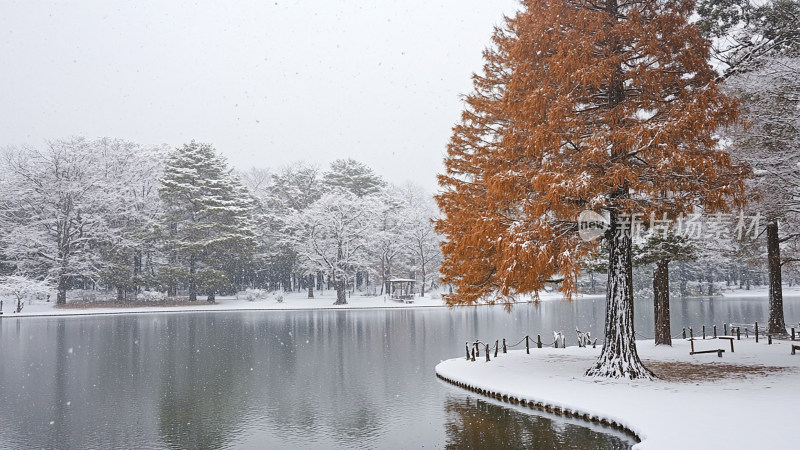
<point>476,423</point>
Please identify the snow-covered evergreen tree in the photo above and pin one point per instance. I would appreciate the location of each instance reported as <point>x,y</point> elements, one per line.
<point>747,31</point>
<point>353,176</point>
<point>661,248</point>
<point>209,230</point>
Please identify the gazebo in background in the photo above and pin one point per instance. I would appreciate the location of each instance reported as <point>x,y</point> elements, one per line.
<point>401,289</point>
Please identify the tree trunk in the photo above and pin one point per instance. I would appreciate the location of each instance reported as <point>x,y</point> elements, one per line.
<point>192,281</point>
<point>212,297</point>
<point>137,274</point>
<point>661,303</point>
<point>422,286</point>
<point>619,358</point>
<point>311,285</point>
<point>341,292</point>
<point>776,324</point>
<point>61,295</point>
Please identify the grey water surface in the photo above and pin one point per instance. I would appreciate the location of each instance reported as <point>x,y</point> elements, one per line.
<point>292,379</point>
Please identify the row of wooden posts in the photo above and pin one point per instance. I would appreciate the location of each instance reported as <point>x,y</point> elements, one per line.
<point>735,330</point>
<point>476,348</point>
<point>474,351</point>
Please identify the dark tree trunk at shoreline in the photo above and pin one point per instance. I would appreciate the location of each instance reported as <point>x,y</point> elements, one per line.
<point>619,358</point>
<point>311,279</point>
<point>192,281</point>
<point>776,323</point>
<point>341,292</point>
<point>661,303</point>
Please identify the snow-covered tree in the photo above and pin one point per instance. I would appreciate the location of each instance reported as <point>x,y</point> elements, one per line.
<point>389,244</point>
<point>208,218</point>
<point>293,188</point>
<point>661,248</point>
<point>769,140</point>
<point>333,235</point>
<point>420,238</point>
<point>130,174</point>
<point>354,177</point>
<point>747,31</point>
<point>57,211</point>
<point>20,288</point>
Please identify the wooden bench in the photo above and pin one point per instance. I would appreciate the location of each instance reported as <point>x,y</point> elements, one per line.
<point>718,351</point>
<point>730,338</point>
<point>794,348</point>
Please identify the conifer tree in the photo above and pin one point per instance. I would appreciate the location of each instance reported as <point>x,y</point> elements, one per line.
<point>209,218</point>
<point>353,176</point>
<point>603,106</point>
<point>661,248</point>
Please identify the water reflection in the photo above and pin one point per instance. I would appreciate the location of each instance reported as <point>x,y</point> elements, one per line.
<point>477,423</point>
<point>322,379</point>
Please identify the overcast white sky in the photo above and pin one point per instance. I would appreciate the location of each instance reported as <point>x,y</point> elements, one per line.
<point>266,82</point>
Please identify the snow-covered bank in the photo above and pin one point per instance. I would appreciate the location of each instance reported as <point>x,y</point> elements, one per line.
<point>291,301</point>
<point>761,291</point>
<point>745,399</point>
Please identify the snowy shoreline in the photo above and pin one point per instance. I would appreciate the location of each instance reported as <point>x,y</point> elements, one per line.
<point>714,402</point>
<point>295,301</point>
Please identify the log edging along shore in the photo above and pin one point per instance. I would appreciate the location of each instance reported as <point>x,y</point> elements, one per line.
<point>544,406</point>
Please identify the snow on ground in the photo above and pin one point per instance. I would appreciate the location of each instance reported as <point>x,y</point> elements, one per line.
<point>746,399</point>
<point>761,291</point>
<point>291,301</point>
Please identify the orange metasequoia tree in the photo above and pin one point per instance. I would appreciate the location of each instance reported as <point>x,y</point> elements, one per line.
<point>581,105</point>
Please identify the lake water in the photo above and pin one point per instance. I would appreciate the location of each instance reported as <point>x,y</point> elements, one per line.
<point>302,379</point>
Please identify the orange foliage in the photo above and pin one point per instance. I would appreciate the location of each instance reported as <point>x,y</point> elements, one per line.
<point>578,108</point>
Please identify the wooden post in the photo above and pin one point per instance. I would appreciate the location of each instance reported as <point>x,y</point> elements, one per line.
<point>769,339</point>
<point>594,345</point>
<point>504,346</point>
<point>719,353</point>
<point>691,342</point>
<point>704,331</point>
<point>467,346</point>
<point>725,328</point>
<point>473,353</point>
<point>555,342</point>
<point>738,333</point>
<point>487,352</point>
<point>496,347</point>
<point>691,333</point>
<point>528,347</point>
<point>684,332</point>
<point>792,333</point>
<point>715,331</point>
<point>539,341</point>
<point>477,349</point>
<point>746,333</point>
<point>756,332</point>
